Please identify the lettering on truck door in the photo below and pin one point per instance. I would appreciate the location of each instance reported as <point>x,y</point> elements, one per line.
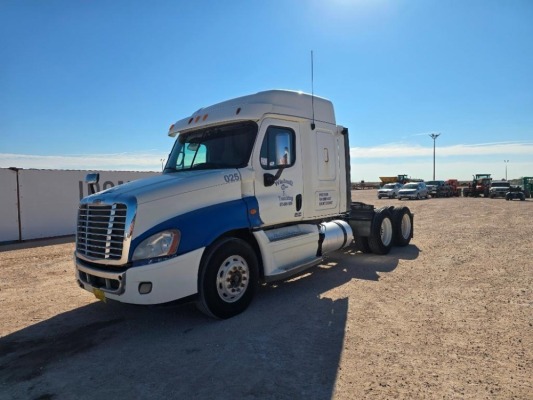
<point>278,156</point>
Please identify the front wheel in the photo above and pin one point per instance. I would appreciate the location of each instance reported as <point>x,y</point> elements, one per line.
<point>228,278</point>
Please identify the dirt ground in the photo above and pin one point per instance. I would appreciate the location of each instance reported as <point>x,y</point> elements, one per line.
<point>448,317</point>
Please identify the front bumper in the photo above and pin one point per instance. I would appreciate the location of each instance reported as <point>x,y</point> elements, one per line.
<point>407,195</point>
<point>171,280</point>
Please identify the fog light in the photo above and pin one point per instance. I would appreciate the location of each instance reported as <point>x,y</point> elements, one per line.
<point>145,287</point>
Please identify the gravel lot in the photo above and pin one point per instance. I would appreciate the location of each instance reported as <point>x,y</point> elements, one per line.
<point>449,317</point>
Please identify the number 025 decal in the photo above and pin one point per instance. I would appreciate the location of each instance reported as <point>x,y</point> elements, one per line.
<point>232,178</point>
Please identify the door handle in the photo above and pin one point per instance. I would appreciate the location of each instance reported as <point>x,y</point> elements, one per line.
<point>298,202</point>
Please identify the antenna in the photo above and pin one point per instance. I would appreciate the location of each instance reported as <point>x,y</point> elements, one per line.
<point>312,93</point>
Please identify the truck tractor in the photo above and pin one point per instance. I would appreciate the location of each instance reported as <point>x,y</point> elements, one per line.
<point>256,189</point>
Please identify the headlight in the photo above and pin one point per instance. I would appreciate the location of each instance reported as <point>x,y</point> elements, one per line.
<point>161,244</point>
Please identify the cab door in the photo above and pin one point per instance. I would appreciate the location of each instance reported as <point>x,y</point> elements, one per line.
<point>277,167</point>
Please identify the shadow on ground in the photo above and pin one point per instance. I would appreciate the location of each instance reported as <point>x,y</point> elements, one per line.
<point>287,345</point>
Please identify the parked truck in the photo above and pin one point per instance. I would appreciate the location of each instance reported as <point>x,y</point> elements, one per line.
<point>256,189</point>
<point>499,189</point>
<point>439,189</point>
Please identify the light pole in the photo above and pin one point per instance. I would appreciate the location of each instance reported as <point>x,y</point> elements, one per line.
<point>506,162</point>
<point>434,136</point>
<point>162,163</point>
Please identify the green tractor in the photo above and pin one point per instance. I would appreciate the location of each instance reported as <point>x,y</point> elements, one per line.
<point>527,184</point>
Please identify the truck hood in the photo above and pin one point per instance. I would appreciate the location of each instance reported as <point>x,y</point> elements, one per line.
<point>162,186</point>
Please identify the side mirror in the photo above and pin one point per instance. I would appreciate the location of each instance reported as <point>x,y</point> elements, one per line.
<point>269,179</point>
<point>91,180</point>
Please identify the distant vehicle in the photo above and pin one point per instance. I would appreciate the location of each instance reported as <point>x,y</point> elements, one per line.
<point>480,186</point>
<point>499,189</point>
<point>515,193</point>
<point>389,190</point>
<point>454,187</point>
<point>527,186</point>
<point>413,190</point>
<point>439,189</point>
<point>403,179</point>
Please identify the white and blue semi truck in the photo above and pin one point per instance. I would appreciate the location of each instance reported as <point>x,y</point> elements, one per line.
<point>256,189</point>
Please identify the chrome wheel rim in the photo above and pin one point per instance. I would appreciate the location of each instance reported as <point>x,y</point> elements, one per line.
<point>386,231</point>
<point>405,226</point>
<point>232,278</point>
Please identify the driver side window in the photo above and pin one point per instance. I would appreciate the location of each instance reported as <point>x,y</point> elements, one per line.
<point>278,148</point>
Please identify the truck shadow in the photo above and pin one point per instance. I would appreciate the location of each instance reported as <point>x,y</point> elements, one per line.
<point>287,345</point>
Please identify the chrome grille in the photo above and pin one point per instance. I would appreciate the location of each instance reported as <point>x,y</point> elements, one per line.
<point>101,229</point>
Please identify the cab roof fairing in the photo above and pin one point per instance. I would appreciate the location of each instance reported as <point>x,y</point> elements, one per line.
<point>255,106</point>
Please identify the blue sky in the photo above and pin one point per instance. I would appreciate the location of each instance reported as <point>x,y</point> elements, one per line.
<point>96,84</point>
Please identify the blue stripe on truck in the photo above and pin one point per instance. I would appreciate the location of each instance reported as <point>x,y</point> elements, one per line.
<point>201,227</point>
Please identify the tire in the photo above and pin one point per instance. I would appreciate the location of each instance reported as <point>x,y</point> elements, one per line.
<point>361,244</point>
<point>402,225</point>
<point>228,278</point>
<point>381,233</point>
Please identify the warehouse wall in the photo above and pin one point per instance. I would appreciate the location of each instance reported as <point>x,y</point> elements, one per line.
<point>38,204</point>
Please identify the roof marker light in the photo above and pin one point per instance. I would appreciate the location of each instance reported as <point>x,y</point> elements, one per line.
<point>197,119</point>
<point>238,111</point>
<point>190,120</point>
<point>205,117</point>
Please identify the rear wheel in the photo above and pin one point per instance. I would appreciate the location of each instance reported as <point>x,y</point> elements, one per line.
<point>402,223</point>
<point>381,234</point>
<point>361,244</point>
<point>228,278</point>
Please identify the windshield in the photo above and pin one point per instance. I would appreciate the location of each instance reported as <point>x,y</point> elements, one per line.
<point>500,184</point>
<point>218,147</point>
<point>410,186</point>
<point>434,183</point>
<point>389,186</point>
